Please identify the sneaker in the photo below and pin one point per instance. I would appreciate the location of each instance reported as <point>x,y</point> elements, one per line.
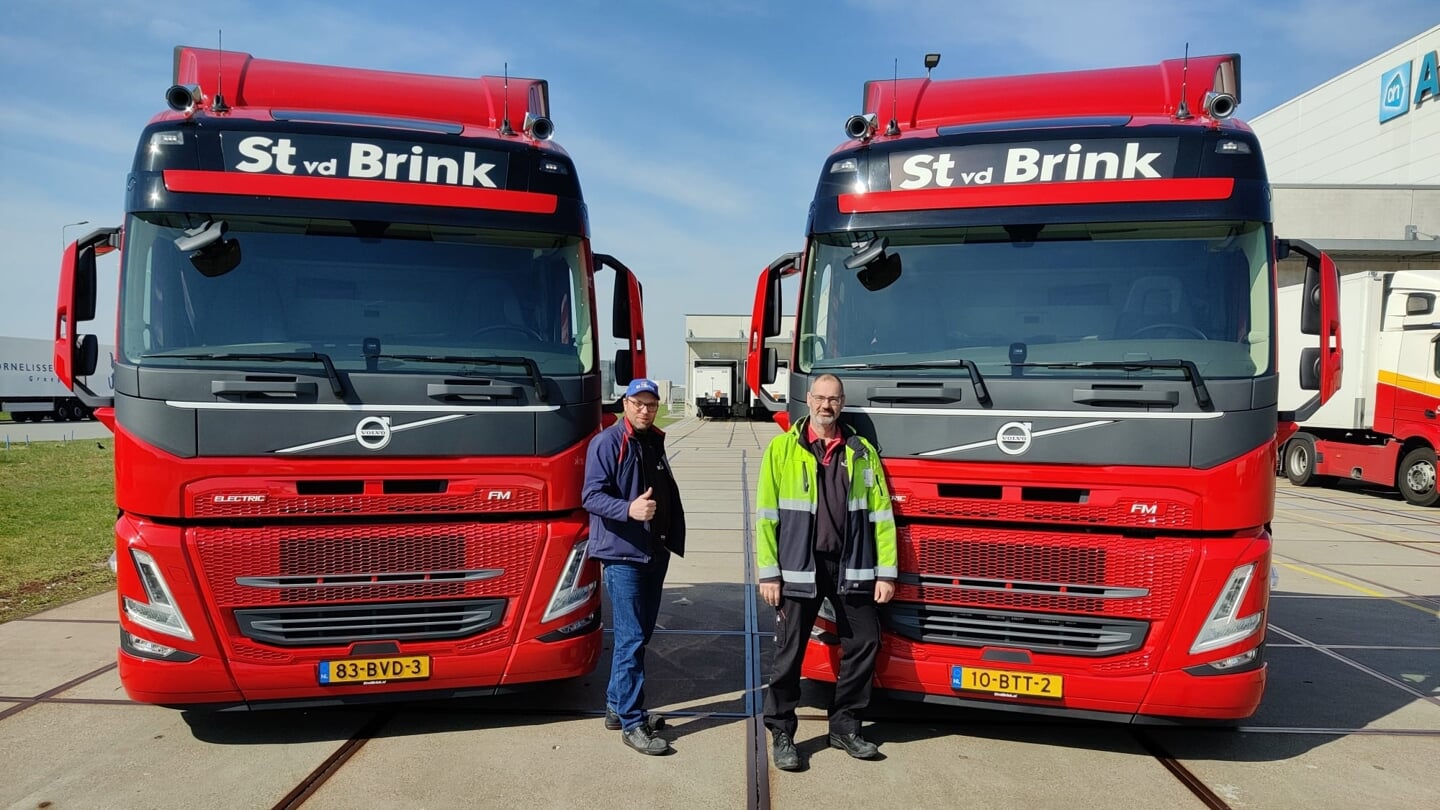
<point>644,740</point>
<point>784,753</point>
<point>854,745</point>
<point>654,722</point>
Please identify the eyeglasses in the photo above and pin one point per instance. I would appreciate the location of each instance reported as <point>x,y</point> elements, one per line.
<point>818,400</point>
<point>652,407</point>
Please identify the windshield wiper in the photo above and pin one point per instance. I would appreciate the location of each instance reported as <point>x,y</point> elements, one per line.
<point>528,364</point>
<point>1187,367</point>
<point>981,392</point>
<point>278,357</point>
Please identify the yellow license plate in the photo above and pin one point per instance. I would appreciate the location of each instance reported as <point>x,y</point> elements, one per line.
<point>1007,682</point>
<point>375,670</point>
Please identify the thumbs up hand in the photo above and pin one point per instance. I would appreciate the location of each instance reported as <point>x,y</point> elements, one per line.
<point>643,507</point>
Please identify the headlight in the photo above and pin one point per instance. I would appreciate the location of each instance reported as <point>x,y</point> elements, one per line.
<point>570,595</point>
<point>159,612</point>
<point>1224,626</point>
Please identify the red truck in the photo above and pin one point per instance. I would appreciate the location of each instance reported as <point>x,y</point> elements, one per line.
<point>1051,299</point>
<point>1381,427</point>
<point>357,367</point>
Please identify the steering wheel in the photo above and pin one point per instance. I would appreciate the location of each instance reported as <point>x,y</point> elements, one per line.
<point>508,327</point>
<point>1179,327</point>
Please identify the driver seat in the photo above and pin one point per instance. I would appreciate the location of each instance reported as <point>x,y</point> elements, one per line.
<point>490,304</point>
<point>1153,300</point>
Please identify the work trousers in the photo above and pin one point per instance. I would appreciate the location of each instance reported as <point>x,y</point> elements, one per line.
<point>857,621</point>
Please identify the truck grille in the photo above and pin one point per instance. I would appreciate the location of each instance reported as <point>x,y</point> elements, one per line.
<point>1037,632</point>
<point>1093,575</point>
<point>253,567</point>
<point>345,624</point>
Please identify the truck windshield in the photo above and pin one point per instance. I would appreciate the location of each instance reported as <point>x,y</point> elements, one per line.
<point>1062,294</point>
<point>345,289</point>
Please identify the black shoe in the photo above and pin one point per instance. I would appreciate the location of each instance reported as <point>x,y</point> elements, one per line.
<point>652,721</point>
<point>784,752</point>
<point>854,745</point>
<point>642,739</point>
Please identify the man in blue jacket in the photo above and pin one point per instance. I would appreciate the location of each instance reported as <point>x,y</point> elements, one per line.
<point>636,522</point>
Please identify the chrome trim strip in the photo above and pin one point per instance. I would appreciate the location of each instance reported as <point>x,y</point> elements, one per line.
<point>1076,414</point>
<point>370,580</point>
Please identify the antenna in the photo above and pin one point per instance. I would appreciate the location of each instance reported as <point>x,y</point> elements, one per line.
<point>1182,112</point>
<point>893,128</point>
<point>505,104</point>
<point>218,105</point>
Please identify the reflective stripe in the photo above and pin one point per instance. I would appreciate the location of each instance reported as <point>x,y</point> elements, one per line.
<point>797,505</point>
<point>802,577</point>
<point>767,514</point>
<point>859,573</point>
<point>887,571</point>
<point>857,505</point>
<point>881,515</point>
<point>768,572</point>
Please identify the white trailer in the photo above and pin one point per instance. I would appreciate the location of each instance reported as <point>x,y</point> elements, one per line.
<point>714,385</point>
<point>29,389</point>
<point>1381,426</point>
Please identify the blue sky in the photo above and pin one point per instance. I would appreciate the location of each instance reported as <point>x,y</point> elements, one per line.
<point>697,126</point>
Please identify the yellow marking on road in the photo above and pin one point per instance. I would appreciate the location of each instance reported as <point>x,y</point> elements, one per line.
<point>1355,587</point>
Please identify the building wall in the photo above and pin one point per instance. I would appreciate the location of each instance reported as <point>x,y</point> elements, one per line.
<point>1357,212</point>
<point>1334,134</point>
<point>724,337</point>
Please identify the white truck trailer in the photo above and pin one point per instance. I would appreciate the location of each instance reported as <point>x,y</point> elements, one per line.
<point>714,384</point>
<point>29,389</point>
<point>1381,426</point>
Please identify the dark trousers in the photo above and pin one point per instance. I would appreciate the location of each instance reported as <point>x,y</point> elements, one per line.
<point>857,621</point>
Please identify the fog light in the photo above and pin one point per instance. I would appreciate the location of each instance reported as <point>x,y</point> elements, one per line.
<point>1234,661</point>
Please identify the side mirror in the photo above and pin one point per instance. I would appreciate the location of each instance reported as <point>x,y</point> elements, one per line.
<point>765,322</point>
<point>624,367</point>
<point>87,355</point>
<point>1310,369</point>
<point>85,286</point>
<point>1310,302</point>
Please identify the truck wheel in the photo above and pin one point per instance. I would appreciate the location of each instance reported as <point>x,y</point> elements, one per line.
<point>1300,460</point>
<point>77,412</point>
<point>1417,477</point>
<point>60,413</point>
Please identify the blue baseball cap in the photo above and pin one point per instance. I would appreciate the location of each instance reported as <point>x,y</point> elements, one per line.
<point>642,386</point>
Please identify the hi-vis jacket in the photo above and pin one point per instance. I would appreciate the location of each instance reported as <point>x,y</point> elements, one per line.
<point>786,506</point>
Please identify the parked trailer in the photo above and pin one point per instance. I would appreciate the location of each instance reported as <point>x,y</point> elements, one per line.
<point>715,383</point>
<point>1381,427</point>
<point>29,389</point>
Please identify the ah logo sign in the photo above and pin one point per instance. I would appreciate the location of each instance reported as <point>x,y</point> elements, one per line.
<point>1395,95</point>
<point>1395,92</point>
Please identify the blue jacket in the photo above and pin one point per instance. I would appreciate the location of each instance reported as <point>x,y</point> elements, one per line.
<point>612,480</point>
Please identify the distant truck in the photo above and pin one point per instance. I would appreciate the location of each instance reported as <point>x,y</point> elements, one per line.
<point>1381,426</point>
<point>715,389</point>
<point>29,389</point>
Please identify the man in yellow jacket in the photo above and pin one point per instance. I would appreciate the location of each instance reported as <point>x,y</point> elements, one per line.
<point>824,530</point>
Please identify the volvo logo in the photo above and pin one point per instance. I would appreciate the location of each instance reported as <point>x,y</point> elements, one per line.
<point>1013,438</point>
<point>373,432</point>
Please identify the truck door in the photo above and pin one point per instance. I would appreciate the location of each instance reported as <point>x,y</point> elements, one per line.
<point>1417,399</point>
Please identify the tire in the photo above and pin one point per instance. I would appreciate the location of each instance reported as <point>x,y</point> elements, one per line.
<point>1300,460</point>
<point>78,412</point>
<point>60,413</point>
<point>1416,478</point>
